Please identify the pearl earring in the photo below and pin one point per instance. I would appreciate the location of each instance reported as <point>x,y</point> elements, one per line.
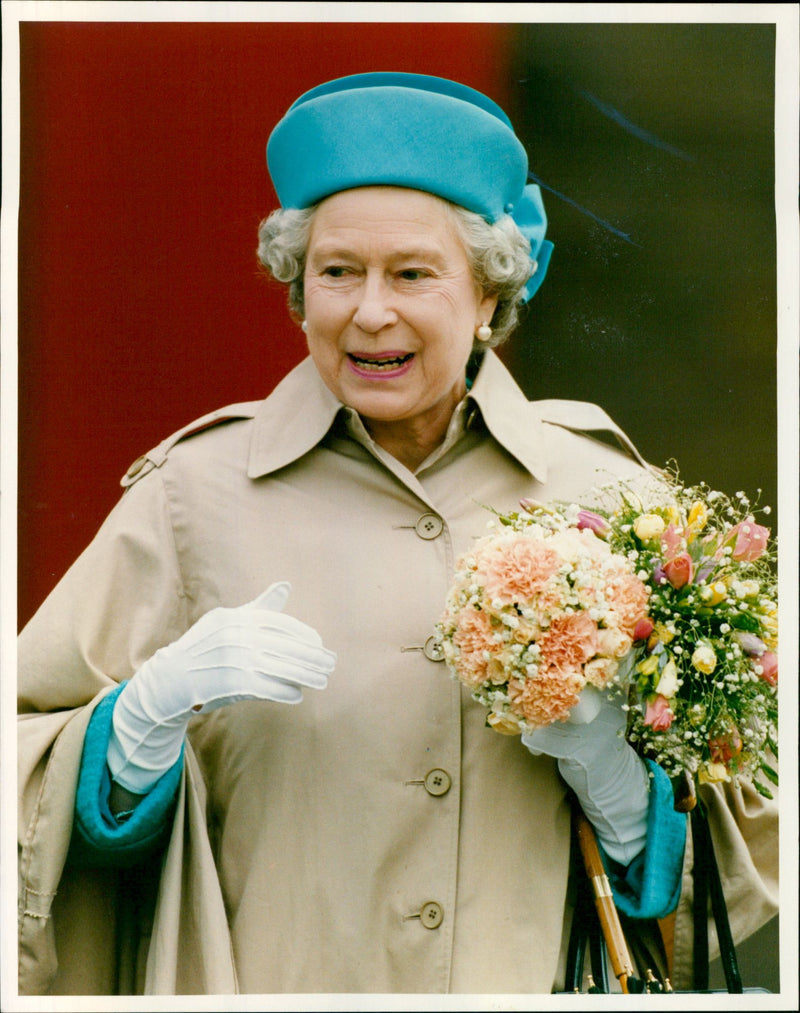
<point>484,332</point>
<point>304,326</point>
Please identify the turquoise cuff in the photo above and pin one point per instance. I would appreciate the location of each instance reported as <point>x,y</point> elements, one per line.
<point>651,885</point>
<point>97,838</point>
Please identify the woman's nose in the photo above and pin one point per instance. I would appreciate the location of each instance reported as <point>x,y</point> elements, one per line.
<point>374,309</point>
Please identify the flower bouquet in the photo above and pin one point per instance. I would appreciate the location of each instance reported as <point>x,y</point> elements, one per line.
<point>665,596</point>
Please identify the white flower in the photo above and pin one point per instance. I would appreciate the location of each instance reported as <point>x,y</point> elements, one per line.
<point>668,681</point>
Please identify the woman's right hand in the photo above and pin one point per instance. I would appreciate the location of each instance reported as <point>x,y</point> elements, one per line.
<point>253,652</point>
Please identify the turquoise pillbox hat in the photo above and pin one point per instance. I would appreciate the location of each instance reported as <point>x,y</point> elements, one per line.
<point>412,130</point>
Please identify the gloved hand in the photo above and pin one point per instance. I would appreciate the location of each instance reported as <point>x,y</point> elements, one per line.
<point>252,652</point>
<point>610,780</point>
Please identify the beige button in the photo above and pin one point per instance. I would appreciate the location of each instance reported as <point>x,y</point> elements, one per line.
<point>432,915</point>
<point>437,782</point>
<point>433,649</point>
<point>429,526</point>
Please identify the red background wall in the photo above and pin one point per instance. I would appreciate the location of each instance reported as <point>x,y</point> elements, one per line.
<point>143,180</point>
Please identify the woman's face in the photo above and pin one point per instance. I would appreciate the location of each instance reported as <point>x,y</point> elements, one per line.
<point>391,306</point>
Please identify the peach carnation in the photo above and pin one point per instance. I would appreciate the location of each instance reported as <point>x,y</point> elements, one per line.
<point>569,642</point>
<point>547,697</point>
<point>473,637</point>
<point>517,570</point>
<point>627,598</point>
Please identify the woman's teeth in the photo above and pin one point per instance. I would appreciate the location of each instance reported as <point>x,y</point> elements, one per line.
<point>381,364</point>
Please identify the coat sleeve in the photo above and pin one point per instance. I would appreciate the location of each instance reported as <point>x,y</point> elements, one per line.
<point>99,839</point>
<point>744,831</point>
<point>120,601</point>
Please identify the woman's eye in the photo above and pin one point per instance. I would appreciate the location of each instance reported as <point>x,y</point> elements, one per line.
<point>413,274</point>
<point>335,271</point>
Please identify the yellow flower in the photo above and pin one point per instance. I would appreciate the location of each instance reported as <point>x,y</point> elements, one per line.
<point>698,516</point>
<point>648,526</point>
<point>664,633</point>
<point>600,671</point>
<point>673,514</point>
<point>613,643</point>
<point>704,658</point>
<point>649,666</point>
<point>713,594</point>
<point>712,773</point>
<point>505,724</point>
<point>769,629</point>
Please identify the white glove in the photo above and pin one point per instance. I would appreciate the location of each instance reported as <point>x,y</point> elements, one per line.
<point>252,652</point>
<point>610,780</point>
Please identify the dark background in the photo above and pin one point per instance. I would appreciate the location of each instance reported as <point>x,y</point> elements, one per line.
<point>660,301</point>
<point>143,182</point>
<point>665,312</point>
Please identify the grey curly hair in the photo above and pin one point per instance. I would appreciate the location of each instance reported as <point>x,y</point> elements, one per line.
<point>498,254</point>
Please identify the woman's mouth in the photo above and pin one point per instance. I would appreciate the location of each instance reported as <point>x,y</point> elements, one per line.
<point>384,365</point>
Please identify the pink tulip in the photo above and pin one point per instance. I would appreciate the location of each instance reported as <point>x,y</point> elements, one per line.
<point>679,571</point>
<point>594,522</point>
<point>768,663</point>
<point>659,715</point>
<point>643,629</point>
<point>751,540</point>
<point>671,541</point>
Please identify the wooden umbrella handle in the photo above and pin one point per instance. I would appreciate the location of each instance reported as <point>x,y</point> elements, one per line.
<point>618,954</point>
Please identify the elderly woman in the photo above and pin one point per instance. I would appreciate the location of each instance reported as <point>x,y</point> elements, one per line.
<point>182,829</point>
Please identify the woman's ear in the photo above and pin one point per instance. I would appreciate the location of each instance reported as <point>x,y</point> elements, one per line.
<point>486,308</point>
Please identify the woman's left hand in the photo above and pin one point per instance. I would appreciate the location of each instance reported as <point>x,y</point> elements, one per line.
<point>609,778</point>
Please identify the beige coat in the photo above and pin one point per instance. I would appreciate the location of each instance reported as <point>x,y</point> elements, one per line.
<point>377,837</point>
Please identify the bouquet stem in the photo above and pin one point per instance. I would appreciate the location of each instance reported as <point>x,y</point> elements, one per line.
<point>685,793</point>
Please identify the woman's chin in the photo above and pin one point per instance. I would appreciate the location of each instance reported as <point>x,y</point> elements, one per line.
<point>384,408</point>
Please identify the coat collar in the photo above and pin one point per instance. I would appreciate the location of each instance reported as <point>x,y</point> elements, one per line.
<point>510,417</point>
<point>300,411</point>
